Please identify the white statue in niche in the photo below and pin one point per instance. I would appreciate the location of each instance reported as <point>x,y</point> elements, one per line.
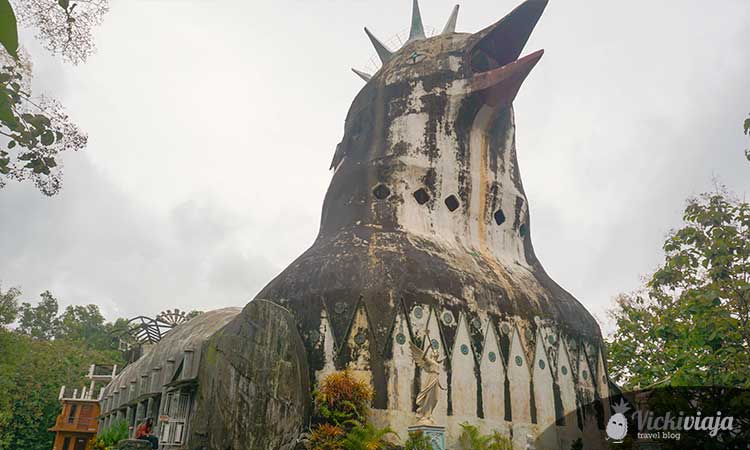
<point>427,398</point>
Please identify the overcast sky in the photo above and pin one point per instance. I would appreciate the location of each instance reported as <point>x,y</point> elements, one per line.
<point>212,123</point>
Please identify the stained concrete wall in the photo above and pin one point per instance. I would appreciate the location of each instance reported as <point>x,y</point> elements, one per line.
<point>254,390</point>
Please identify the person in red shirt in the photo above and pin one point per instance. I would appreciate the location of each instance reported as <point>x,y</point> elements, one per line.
<point>144,433</point>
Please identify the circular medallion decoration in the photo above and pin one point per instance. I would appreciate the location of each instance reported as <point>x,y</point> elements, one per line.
<point>564,370</point>
<point>476,323</point>
<point>519,361</point>
<point>435,344</point>
<point>492,357</point>
<point>401,339</point>
<point>418,312</point>
<point>585,375</point>
<point>541,364</point>
<point>360,338</point>
<point>529,335</point>
<point>340,308</point>
<point>551,339</point>
<point>448,318</point>
<point>505,328</point>
<point>465,349</point>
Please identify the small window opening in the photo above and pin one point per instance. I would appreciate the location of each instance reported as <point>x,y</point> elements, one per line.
<point>421,196</point>
<point>381,192</point>
<point>452,203</point>
<point>523,230</point>
<point>499,217</point>
<point>72,413</point>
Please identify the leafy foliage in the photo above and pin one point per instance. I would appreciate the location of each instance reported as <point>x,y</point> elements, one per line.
<point>64,26</point>
<point>84,323</point>
<point>8,28</point>
<point>418,441</point>
<point>341,399</point>
<point>36,131</point>
<point>342,403</point>
<point>107,438</point>
<point>326,437</point>
<point>40,321</point>
<point>8,305</point>
<point>690,326</point>
<point>31,373</point>
<point>472,439</point>
<point>368,437</point>
<point>746,127</point>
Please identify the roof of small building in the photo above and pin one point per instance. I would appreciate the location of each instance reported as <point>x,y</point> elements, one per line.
<point>187,336</point>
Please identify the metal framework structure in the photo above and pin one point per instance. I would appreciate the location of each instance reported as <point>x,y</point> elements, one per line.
<point>147,330</point>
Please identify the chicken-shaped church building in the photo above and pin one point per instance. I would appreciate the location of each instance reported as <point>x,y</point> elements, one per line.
<point>425,237</point>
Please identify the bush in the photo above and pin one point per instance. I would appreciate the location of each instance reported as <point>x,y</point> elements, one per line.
<point>326,437</point>
<point>109,437</point>
<point>418,441</point>
<point>342,399</point>
<point>368,437</point>
<point>472,439</point>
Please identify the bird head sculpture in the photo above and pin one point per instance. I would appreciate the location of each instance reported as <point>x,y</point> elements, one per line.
<point>429,142</point>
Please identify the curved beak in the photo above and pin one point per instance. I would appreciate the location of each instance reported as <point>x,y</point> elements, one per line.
<point>493,54</point>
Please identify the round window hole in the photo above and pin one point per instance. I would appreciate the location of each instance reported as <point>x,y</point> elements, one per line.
<point>421,196</point>
<point>499,217</point>
<point>492,357</point>
<point>585,375</point>
<point>401,339</point>
<point>465,349</point>
<point>435,344</point>
<point>564,370</point>
<point>519,361</point>
<point>541,364</point>
<point>452,203</point>
<point>381,192</point>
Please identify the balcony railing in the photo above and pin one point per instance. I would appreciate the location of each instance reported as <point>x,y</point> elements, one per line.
<point>76,423</point>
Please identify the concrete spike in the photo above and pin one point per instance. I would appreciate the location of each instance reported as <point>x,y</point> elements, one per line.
<point>416,32</point>
<point>450,26</point>
<point>383,53</point>
<point>364,75</point>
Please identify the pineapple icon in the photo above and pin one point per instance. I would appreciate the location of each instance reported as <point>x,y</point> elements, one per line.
<point>617,427</point>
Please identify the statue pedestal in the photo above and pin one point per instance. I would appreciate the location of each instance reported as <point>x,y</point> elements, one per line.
<point>435,433</point>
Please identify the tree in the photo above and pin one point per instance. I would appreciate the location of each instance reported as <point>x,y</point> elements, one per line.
<point>40,321</point>
<point>35,130</point>
<point>8,306</point>
<point>31,374</point>
<point>85,324</point>
<point>690,325</point>
<point>746,127</point>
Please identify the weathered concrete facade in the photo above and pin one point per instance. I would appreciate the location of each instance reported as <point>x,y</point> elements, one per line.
<point>162,383</point>
<point>425,236</point>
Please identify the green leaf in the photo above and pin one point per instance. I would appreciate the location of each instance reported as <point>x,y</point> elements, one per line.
<point>48,138</point>
<point>6,113</point>
<point>11,144</point>
<point>747,125</point>
<point>8,29</point>
<point>63,3</point>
